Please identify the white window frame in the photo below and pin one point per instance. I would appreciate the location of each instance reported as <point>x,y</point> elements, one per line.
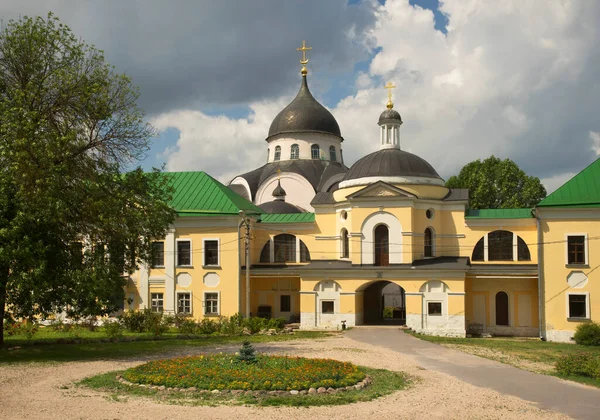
<point>317,148</point>
<point>191,264</point>
<point>152,301</point>
<point>441,307</point>
<point>587,305</point>
<point>277,153</point>
<point>292,155</point>
<point>321,308</point>
<point>218,252</point>
<point>163,252</point>
<point>218,313</point>
<point>332,149</point>
<point>182,292</point>
<point>585,249</point>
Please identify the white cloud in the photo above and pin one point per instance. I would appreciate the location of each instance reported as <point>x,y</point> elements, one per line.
<point>552,183</point>
<point>595,137</point>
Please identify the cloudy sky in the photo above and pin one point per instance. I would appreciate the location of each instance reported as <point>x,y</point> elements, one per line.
<point>513,78</point>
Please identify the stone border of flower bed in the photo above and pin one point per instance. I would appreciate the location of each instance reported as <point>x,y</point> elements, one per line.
<point>312,391</point>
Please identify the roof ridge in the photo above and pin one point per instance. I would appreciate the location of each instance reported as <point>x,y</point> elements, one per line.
<point>582,188</point>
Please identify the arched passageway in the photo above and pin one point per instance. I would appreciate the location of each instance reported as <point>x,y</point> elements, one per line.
<point>384,303</point>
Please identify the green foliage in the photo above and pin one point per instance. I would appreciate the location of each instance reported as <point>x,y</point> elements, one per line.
<point>187,326</point>
<point>498,184</point>
<point>69,129</point>
<point>255,324</point>
<point>230,326</point>
<point>29,329</point>
<point>134,321</point>
<point>113,329</point>
<point>587,334</point>
<point>276,323</point>
<point>208,326</point>
<point>388,312</point>
<point>156,323</point>
<point>247,353</point>
<point>582,364</point>
<point>224,371</point>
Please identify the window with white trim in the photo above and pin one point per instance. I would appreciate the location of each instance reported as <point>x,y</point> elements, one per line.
<point>315,151</point>
<point>327,307</point>
<point>576,250</point>
<point>158,254</point>
<point>211,303</point>
<point>211,252</point>
<point>157,302</point>
<point>184,253</point>
<point>184,303</point>
<point>332,154</point>
<point>295,152</point>
<point>434,308</point>
<point>578,306</point>
<point>277,153</point>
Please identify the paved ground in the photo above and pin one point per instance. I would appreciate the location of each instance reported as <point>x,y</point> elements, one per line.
<point>575,400</point>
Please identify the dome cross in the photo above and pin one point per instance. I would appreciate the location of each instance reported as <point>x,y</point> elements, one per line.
<point>304,60</point>
<point>389,86</point>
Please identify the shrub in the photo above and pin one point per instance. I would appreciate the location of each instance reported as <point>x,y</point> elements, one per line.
<point>169,320</point>
<point>276,323</point>
<point>207,326</point>
<point>180,318</point>
<point>588,334</point>
<point>230,326</point>
<point>29,329</point>
<point>187,326</point>
<point>113,329</point>
<point>255,324</point>
<point>583,364</point>
<point>133,321</point>
<point>247,353</point>
<point>12,327</point>
<point>155,323</point>
<point>90,323</point>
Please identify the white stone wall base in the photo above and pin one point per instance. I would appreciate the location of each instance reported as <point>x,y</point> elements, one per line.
<point>500,331</point>
<point>332,322</point>
<point>452,326</point>
<point>560,336</point>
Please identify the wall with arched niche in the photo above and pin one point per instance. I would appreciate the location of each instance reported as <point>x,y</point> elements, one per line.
<point>368,237</point>
<point>327,312</point>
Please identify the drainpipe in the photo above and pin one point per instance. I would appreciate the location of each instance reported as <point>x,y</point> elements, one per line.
<point>540,252</point>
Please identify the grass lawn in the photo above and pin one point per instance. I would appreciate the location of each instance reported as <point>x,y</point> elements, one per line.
<point>384,382</point>
<point>525,353</point>
<point>19,350</point>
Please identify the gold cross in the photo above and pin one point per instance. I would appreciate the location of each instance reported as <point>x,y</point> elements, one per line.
<point>304,48</point>
<point>278,173</point>
<point>389,86</point>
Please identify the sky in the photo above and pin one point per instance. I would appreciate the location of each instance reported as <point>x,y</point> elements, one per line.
<point>512,78</point>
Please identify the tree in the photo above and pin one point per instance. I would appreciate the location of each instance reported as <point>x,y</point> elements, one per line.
<point>498,184</point>
<point>69,129</point>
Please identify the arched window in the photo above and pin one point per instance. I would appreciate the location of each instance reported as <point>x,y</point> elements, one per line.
<point>500,245</point>
<point>428,248</point>
<point>345,244</point>
<point>265,254</point>
<point>523,253</point>
<point>478,254</point>
<point>382,245</point>
<point>295,152</point>
<point>268,154</point>
<point>277,153</point>
<point>501,308</point>
<point>285,248</point>
<point>315,152</point>
<point>332,155</point>
<point>304,253</point>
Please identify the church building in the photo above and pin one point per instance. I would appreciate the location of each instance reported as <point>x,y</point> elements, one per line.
<point>381,242</point>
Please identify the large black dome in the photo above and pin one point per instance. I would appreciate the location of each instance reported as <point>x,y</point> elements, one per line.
<point>391,162</point>
<point>304,114</point>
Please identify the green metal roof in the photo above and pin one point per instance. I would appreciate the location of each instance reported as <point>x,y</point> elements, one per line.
<point>199,194</point>
<point>498,214</point>
<point>288,218</point>
<point>583,190</point>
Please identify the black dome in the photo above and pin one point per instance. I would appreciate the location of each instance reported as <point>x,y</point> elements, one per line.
<point>391,162</point>
<point>304,114</point>
<point>280,207</point>
<point>390,115</point>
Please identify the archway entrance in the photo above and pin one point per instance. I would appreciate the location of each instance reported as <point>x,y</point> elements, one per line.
<point>384,303</point>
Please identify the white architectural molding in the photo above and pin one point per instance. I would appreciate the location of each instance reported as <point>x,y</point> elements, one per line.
<point>411,180</point>
<point>170,249</point>
<point>303,191</point>
<point>368,234</point>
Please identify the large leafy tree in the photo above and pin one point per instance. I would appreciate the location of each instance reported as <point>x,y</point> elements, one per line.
<point>498,184</point>
<point>69,130</point>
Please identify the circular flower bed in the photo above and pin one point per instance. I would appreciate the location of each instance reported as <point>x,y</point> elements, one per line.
<point>227,372</point>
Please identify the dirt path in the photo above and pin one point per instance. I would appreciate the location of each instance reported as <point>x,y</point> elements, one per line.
<point>47,391</point>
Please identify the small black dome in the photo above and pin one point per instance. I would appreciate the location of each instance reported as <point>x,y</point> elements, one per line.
<point>391,162</point>
<point>280,207</point>
<point>304,114</point>
<point>390,115</point>
<point>279,193</point>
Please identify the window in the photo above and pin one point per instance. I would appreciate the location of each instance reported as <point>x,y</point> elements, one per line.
<point>345,244</point>
<point>184,253</point>
<point>332,155</point>
<point>156,302</point>
<point>576,249</point>
<point>268,154</point>
<point>430,214</point>
<point>265,254</point>
<point>502,308</point>
<point>285,248</point>
<point>523,253</point>
<point>578,305</point>
<point>295,152</point>
<point>158,254</point>
<point>500,246</point>
<point>277,153</point>
<point>184,303</point>
<point>211,304</point>
<point>211,252</point>
<point>285,303</point>
<point>434,308</point>
<point>478,251</point>
<point>382,245</point>
<point>304,253</point>
<point>315,152</point>
<point>428,251</point>
<point>327,307</point>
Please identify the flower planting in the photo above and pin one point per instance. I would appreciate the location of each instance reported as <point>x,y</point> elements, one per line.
<point>228,372</point>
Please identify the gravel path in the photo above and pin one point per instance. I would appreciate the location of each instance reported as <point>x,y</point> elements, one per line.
<point>47,391</point>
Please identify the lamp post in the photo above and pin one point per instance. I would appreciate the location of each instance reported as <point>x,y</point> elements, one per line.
<point>246,223</point>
